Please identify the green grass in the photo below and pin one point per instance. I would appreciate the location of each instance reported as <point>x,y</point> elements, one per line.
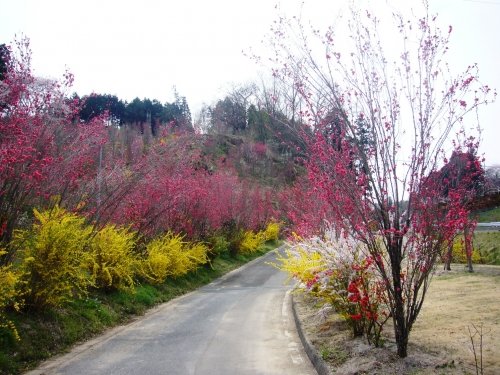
<point>489,215</point>
<point>488,244</point>
<point>44,334</point>
<point>334,355</point>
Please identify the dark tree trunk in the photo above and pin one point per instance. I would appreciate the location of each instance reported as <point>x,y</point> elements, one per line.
<point>468,248</point>
<point>400,327</point>
<point>402,340</point>
<point>449,255</point>
<point>398,311</point>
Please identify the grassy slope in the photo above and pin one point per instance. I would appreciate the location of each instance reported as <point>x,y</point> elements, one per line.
<point>44,334</point>
<point>270,169</point>
<point>488,244</point>
<point>489,215</point>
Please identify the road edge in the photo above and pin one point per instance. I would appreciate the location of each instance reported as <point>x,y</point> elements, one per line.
<point>45,366</point>
<point>314,356</point>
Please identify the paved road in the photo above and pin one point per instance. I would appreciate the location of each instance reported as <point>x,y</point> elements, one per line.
<point>238,325</point>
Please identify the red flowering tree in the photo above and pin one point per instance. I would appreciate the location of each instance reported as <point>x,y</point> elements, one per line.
<point>459,183</point>
<point>395,107</point>
<point>171,187</point>
<point>43,153</point>
<point>50,155</point>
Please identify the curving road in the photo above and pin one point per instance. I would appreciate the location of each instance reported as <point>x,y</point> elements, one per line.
<point>240,324</point>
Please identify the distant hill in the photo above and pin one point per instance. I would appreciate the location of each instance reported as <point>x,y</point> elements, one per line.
<point>263,163</point>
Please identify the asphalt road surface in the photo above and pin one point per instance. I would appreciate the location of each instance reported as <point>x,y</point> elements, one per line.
<point>240,324</point>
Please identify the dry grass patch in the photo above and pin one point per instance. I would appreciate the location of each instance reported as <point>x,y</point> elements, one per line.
<point>439,342</point>
<point>456,301</point>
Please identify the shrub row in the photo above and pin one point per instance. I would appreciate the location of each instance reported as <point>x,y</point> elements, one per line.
<point>61,257</point>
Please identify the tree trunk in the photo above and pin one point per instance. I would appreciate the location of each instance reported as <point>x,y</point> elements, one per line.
<point>468,248</point>
<point>398,311</point>
<point>402,342</point>
<point>400,327</point>
<point>449,254</point>
<point>469,264</point>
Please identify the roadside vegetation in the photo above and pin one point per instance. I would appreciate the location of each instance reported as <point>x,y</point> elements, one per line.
<point>377,214</point>
<point>440,341</point>
<point>56,319</point>
<point>487,245</point>
<point>108,208</point>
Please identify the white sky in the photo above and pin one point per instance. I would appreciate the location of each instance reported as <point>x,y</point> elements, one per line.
<point>143,48</point>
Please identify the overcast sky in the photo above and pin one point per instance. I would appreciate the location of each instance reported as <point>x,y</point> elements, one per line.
<point>143,48</point>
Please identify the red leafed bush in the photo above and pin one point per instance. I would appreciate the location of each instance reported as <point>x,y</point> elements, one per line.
<point>175,194</point>
<point>44,152</point>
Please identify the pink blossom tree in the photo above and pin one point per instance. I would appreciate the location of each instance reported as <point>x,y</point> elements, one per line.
<point>462,178</point>
<point>384,113</point>
<point>43,152</point>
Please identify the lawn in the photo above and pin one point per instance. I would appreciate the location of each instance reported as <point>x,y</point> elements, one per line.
<point>440,340</point>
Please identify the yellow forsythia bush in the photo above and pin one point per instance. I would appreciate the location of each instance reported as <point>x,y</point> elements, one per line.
<point>53,257</point>
<point>9,296</point>
<point>113,262</point>
<point>459,256</point>
<point>272,232</point>
<point>300,264</point>
<point>169,255</point>
<point>251,242</point>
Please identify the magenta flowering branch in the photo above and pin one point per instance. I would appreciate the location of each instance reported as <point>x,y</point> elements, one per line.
<point>384,112</point>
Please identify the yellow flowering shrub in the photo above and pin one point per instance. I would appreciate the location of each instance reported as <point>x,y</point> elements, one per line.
<point>272,232</point>
<point>9,297</point>
<point>169,255</point>
<point>53,254</point>
<point>113,261</point>
<point>301,264</point>
<point>459,256</point>
<point>251,242</point>
<point>196,252</point>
